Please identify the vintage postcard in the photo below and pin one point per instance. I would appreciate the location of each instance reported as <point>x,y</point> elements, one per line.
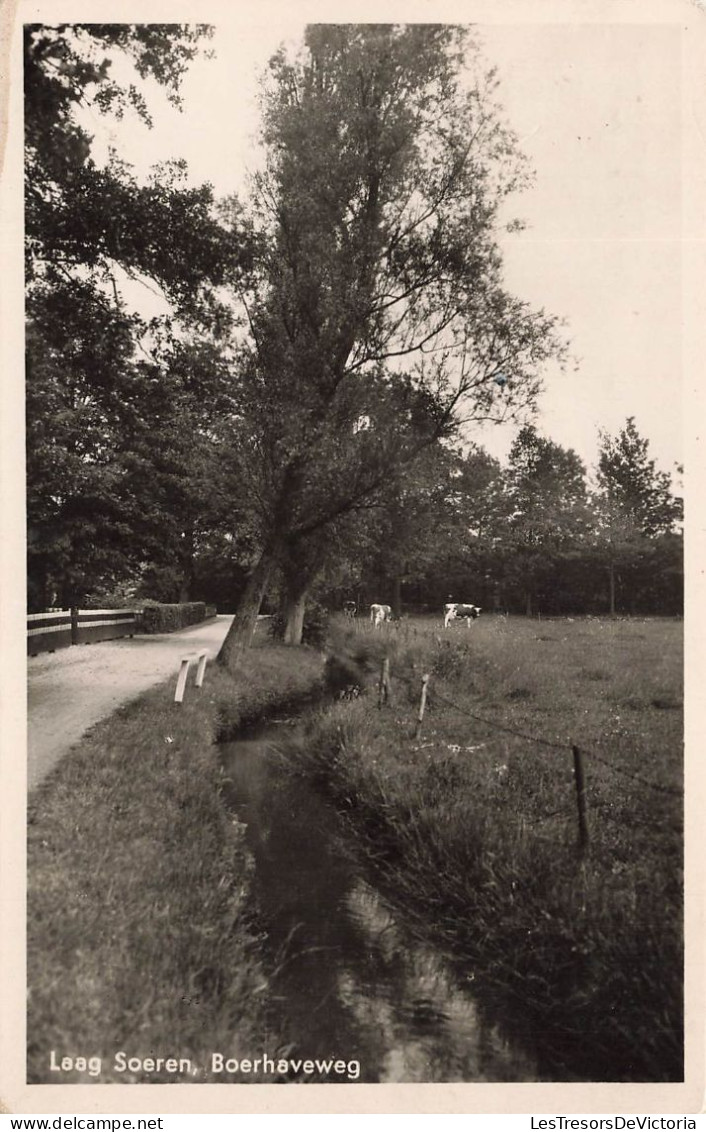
<point>352,393</point>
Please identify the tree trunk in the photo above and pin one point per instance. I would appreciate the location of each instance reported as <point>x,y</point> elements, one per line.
<point>294,609</point>
<point>298,583</point>
<point>528,604</point>
<point>39,596</point>
<point>301,565</point>
<point>241,631</point>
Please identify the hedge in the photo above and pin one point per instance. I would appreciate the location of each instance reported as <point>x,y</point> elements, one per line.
<point>159,618</point>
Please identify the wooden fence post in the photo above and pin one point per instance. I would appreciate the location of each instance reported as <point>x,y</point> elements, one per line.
<point>580,799</point>
<point>181,680</point>
<point>201,669</point>
<point>384,686</point>
<point>74,625</point>
<point>422,705</point>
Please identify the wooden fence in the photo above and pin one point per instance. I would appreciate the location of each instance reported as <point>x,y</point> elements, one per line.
<point>47,632</point>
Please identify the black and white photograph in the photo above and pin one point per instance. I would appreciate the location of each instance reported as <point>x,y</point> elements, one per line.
<point>351,438</point>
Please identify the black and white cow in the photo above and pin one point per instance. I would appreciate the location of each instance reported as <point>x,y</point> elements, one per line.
<point>350,609</point>
<point>454,609</point>
<point>379,614</point>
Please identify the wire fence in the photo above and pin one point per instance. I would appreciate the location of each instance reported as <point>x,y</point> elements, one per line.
<point>544,742</point>
<point>541,741</point>
<point>578,752</point>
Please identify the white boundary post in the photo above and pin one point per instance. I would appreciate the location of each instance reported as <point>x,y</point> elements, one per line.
<point>181,681</point>
<point>201,669</point>
<point>422,705</point>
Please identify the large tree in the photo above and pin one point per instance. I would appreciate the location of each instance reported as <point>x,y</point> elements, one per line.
<point>388,164</point>
<point>104,383</point>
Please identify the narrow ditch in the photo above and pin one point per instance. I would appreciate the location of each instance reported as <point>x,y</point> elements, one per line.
<point>346,977</point>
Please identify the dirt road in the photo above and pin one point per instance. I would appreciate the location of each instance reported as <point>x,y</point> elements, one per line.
<point>70,690</point>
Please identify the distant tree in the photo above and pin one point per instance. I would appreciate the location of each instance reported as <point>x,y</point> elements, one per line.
<point>634,503</point>
<point>413,519</point>
<point>483,508</point>
<point>460,520</point>
<point>549,516</point>
<point>387,165</point>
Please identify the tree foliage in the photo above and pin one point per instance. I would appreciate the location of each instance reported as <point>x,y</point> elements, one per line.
<point>549,517</point>
<point>637,515</point>
<point>633,493</point>
<point>79,215</point>
<point>103,386</point>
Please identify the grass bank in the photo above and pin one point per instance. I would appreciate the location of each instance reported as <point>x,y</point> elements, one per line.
<point>137,878</point>
<point>472,828</point>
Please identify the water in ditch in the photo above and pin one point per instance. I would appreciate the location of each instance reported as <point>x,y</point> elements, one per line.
<point>349,979</point>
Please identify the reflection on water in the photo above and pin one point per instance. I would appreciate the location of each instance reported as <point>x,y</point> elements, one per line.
<point>349,979</point>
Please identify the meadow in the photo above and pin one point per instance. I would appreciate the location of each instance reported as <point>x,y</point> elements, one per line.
<point>472,826</point>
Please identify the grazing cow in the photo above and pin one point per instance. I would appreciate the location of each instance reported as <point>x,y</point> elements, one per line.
<point>350,609</point>
<point>380,613</point>
<point>454,609</point>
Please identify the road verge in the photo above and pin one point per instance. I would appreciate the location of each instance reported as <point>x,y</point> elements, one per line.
<point>138,938</point>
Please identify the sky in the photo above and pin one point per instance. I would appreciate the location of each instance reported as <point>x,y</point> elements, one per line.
<point>598,110</point>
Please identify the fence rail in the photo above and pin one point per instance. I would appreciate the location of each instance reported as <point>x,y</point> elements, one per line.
<point>48,631</point>
<point>58,629</point>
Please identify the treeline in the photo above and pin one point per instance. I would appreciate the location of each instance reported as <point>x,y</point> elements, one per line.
<point>287,432</point>
<point>538,534</point>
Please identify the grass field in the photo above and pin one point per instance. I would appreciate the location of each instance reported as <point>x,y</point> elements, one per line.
<point>472,828</point>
